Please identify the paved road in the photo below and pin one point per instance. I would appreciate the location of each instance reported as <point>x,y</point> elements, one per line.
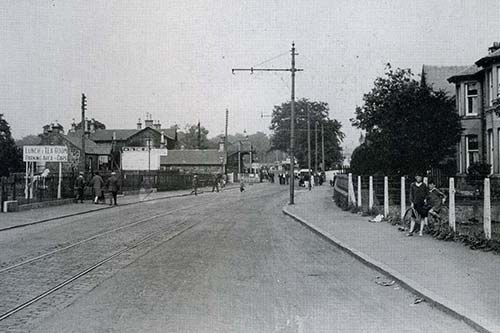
<point>241,266</point>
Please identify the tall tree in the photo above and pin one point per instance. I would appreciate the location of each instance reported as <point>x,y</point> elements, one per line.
<point>10,154</point>
<point>409,127</point>
<point>192,134</point>
<point>280,125</point>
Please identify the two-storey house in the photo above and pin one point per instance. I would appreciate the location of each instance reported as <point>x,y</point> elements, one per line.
<point>477,91</point>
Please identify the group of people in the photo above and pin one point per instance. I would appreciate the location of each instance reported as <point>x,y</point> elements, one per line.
<point>218,181</point>
<point>425,200</point>
<point>99,186</point>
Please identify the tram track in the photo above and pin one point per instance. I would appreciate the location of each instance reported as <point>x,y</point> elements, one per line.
<point>93,237</point>
<point>93,267</point>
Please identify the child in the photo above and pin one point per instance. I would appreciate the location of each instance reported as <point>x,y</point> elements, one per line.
<point>242,185</point>
<point>418,194</point>
<point>435,200</point>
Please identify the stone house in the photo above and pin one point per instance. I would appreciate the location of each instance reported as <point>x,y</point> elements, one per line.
<point>478,90</point>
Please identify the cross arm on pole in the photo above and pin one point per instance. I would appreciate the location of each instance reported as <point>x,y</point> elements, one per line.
<point>251,70</point>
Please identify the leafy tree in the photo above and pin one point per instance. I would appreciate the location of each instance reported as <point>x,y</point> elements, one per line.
<point>10,155</point>
<point>409,127</point>
<point>280,125</point>
<point>189,138</point>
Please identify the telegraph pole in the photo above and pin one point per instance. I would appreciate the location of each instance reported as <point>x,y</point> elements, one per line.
<point>323,167</point>
<point>225,142</point>
<point>292,69</point>
<point>315,146</point>
<point>308,145</point>
<point>84,125</point>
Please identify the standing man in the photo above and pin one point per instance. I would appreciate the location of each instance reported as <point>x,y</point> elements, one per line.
<point>97,184</point>
<point>215,186</point>
<point>79,186</point>
<point>113,187</point>
<point>195,185</point>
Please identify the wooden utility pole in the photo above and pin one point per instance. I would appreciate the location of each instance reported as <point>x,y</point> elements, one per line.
<point>315,146</point>
<point>84,125</point>
<point>225,142</point>
<point>308,145</point>
<point>292,69</point>
<point>323,167</point>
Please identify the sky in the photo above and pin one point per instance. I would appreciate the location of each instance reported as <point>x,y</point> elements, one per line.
<point>173,59</point>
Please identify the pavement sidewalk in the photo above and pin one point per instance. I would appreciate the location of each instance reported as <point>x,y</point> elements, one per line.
<point>40,215</point>
<point>462,282</point>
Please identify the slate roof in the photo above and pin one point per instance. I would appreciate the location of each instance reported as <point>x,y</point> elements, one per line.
<point>436,77</point>
<point>192,157</point>
<point>91,148</point>
<point>492,57</point>
<point>468,73</point>
<point>124,134</point>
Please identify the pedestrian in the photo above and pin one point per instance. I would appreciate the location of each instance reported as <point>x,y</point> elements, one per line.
<point>435,200</point>
<point>287,178</point>
<point>97,184</point>
<point>113,186</point>
<point>418,194</point>
<point>195,185</point>
<point>79,187</point>
<point>242,185</point>
<point>216,182</point>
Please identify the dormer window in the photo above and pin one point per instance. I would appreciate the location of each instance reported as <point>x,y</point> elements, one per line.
<point>471,99</point>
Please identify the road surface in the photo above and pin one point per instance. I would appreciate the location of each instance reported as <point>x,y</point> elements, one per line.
<point>218,262</point>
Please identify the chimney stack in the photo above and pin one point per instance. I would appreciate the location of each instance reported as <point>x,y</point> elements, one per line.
<point>92,125</point>
<point>139,124</point>
<point>494,47</point>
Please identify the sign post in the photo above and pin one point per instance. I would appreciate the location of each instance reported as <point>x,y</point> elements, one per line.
<point>33,154</point>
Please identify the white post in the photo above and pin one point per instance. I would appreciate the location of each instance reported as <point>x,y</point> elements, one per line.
<point>60,181</point>
<point>32,177</point>
<point>487,209</point>
<point>26,182</point>
<point>359,191</point>
<point>451,207</point>
<point>351,197</point>
<point>403,198</point>
<point>370,193</point>
<point>386,196</point>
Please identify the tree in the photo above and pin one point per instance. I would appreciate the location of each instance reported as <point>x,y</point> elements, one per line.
<point>280,125</point>
<point>410,128</point>
<point>189,138</point>
<point>10,155</point>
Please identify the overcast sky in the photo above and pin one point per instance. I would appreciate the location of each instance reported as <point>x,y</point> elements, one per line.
<point>174,58</point>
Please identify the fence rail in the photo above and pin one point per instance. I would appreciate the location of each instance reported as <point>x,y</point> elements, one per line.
<point>46,189</point>
<point>475,206</point>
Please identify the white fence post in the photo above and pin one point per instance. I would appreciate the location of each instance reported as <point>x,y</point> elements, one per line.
<point>386,196</point>
<point>451,205</point>
<point>359,191</point>
<point>487,209</point>
<point>370,193</point>
<point>403,199</point>
<point>351,196</point>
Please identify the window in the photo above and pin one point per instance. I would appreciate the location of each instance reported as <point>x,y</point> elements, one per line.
<point>489,75</point>
<point>471,150</point>
<point>470,99</point>
<point>498,83</point>
<point>491,149</point>
<point>460,157</point>
<point>459,97</point>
